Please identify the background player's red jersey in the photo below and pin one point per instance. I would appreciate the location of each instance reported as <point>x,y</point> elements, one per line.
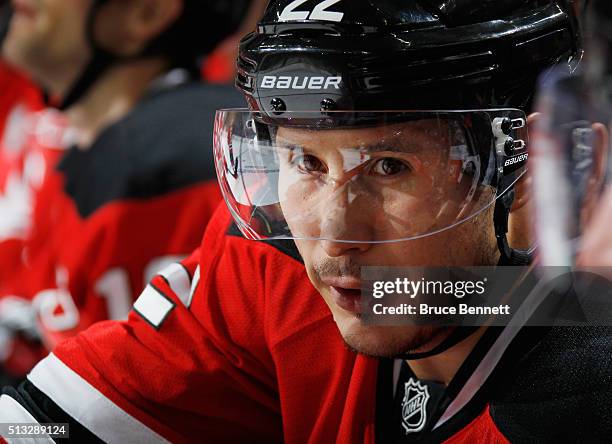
<point>108,217</point>
<point>26,133</point>
<point>31,137</point>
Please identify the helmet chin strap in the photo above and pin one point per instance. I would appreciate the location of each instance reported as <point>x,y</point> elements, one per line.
<point>501,214</point>
<point>457,335</point>
<point>98,64</point>
<point>6,12</point>
<point>508,257</point>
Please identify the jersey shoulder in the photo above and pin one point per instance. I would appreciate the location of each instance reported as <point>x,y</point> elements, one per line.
<point>564,379</point>
<point>265,282</point>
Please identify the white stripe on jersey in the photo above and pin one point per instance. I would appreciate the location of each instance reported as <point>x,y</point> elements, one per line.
<point>87,405</point>
<point>153,306</point>
<point>194,285</point>
<point>179,281</point>
<point>496,352</point>
<point>12,412</point>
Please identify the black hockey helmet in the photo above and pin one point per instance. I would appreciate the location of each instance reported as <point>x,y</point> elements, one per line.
<point>463,72</point>
<point>433,54</point>
<point>201,26</point>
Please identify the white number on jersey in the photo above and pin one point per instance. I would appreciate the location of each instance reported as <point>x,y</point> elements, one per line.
<point>114,286</point>
<point>319,12</point>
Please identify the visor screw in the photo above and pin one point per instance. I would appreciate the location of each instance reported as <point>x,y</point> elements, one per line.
<point>328,104</point>
<point>278,106</point>
<point>506,126</point>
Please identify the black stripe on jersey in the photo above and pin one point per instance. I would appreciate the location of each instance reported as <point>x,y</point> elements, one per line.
<point>559,390</point>
<point>285,246</point>
<point>163,145</point>
<point>43,409</point>
<point>384,398</point>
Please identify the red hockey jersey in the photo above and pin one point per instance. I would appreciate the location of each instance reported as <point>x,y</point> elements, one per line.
<point>235,345</point>
<point>107,218</point>
<point>16,91</point>
<point>27,138</point>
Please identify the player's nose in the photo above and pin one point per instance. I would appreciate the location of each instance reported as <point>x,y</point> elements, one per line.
<point>346,223</point>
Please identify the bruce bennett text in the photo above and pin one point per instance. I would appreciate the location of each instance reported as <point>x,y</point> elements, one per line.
<point>431,310</point>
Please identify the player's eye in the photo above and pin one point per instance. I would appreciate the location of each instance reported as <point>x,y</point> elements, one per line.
<point>389,166</point>
<point>308,164</point>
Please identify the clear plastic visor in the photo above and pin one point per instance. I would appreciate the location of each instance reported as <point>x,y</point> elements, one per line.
<point>386,177</point>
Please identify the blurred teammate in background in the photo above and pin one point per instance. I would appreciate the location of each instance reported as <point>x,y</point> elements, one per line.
<point>596,245</point>
<point>572,161</point>
<point>20,101</point>
<point>29,136</point>
<point>136,187</point>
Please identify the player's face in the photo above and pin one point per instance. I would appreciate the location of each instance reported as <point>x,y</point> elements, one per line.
<point>389,195</point>
<point>47,38</point>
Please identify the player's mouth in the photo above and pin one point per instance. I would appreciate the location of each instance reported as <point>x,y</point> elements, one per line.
<point>345,293</point>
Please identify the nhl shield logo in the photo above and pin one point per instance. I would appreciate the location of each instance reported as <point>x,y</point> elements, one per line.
<point>414,406</point>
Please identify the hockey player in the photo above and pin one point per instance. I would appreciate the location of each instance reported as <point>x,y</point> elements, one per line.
<point>245,342</point>
<point>136,186</point>
<point>597,243</point>
<point>20,101</point>
<point>29,135</point>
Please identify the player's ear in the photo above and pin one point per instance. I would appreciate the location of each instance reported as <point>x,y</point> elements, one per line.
<point>596,179</point>
<point>520,221</point>
<point>126,27</point>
